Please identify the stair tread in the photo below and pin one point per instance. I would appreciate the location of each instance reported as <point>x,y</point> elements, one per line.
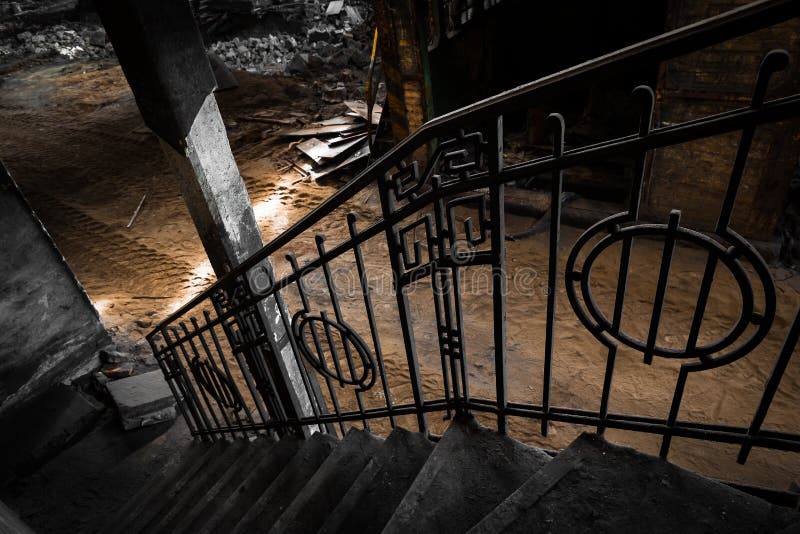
<point>204,506</point>
<point>471,470</point>
<point>280,494</point>
<point>151,498</point>
<point>154,485</point>
<point>618,489</point>
<point>204,478</point>
<point>243,497</point>
<point>381,485</point>
<point>329,483</point>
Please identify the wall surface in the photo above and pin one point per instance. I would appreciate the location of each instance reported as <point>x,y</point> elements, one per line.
<point>49,329</point>
<point>693,177</point>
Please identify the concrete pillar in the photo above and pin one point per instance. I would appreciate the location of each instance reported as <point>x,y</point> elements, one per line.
<point>162,55</point>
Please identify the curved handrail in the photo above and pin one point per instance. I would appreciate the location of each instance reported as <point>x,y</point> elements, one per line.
<point>728,25</point>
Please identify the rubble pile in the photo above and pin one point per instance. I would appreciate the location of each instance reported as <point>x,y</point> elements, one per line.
<point>311,36</point>
<point>330,38</point>
<point>68,39</point>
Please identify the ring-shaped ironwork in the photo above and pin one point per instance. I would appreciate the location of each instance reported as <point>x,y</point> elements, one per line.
<point>600,326</point>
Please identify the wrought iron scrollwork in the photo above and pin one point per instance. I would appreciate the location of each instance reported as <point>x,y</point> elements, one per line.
<point>431,215</point>
<point>455,159</point>
<point>306,328</point>
<point>215,383</point>
<point>729,255</point>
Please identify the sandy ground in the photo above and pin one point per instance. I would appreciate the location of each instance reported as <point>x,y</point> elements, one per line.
<point>74,141</point>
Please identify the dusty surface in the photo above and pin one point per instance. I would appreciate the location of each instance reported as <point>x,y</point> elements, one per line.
<point>86,484</point>
<point>75,143</point>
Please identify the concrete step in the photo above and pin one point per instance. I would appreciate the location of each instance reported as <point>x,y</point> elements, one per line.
<point>471,470</point>
<point>150,501</point>
<point>381,485</point>
<point>323,491</point>
<point>204,507</point>
<point>280,494</point>
<point>607,488</point>
<point>242,498</point>
<point>11,523</point>
<point>203,480</point>
<point>156,487</point>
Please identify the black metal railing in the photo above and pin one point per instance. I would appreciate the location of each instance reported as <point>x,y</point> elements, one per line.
<point>360,347</point>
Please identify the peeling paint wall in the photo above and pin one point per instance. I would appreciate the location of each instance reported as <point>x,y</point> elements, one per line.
<point>49,329</point>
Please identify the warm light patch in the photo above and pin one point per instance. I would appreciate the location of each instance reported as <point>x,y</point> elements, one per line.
<point>272,211</point>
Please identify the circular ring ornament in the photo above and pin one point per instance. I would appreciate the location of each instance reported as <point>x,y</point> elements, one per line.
<point>306,327</point>
<point>589,313</point>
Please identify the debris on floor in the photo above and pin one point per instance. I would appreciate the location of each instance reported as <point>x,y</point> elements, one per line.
<point>143,400</point>
<point>312,35</point>
<point>68,40</point>
<point>331,145</point>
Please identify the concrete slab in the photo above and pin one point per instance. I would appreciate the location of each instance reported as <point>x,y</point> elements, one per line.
<point>323,491</point>
<point>471,470</point>
<point>280,494</point>
<point>373,497</point>
<point>608,488</point>
<point>142,399</point>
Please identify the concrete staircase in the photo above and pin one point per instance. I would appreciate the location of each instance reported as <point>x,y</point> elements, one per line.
<point>473,480</point>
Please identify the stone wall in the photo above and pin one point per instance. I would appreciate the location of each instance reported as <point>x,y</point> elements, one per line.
<point>693,177</point>
<point>49,330</point>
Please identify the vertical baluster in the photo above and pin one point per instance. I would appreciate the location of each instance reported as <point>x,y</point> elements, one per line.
<point>226,365</point>
<point>232,388</point>
<point>680,386</point>
<point>455,336</point>
<point>498,236</point>
<point>256,337</point>
<point>252,383</point>
<point>462,343</point>
<point>647,103</point>
<point>309,382</point>
<point>655,320</point>
<point>315,337</point>
<point>441,304</point>
<point>661,286</point>
<point>557,122</point>
<point>373,327</point>
<point>320,240</point>
<point>209,406</point>
<point>459,347</point>
<point>393,242</point>
<point>211,380</point>
<point>175,385</point>
<point>771,387</point>
<point>774,61</point>
<point>188,384</point>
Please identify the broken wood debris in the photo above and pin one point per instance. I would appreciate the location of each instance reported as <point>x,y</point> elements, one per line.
<point>136,211</point>
<point>333,144</point>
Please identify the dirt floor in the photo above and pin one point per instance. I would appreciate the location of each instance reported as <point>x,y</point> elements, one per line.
<point>75,143</point>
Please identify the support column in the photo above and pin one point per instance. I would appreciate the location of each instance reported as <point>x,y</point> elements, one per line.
<point>162,55</point>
